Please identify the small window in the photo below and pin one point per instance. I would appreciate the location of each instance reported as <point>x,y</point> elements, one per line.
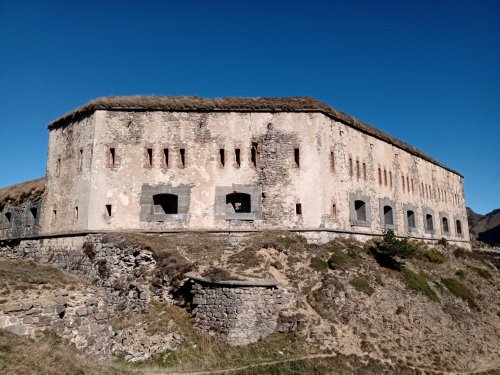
<point>410,215</point>
<point>360,208</point>
<point>34,212</point>
<point>165,157</point>
<point>58,167</point>
<point>379,176</point>
<point>75,214</point>
<point>445,224</point>
<point>364,171</point>
<point>149,157</point>
<point>390,179</point>
<point>458,226</point>
<point>54,216</point>
<point>388,215</point>
<point>108,210</point>
<point>298,209</point>
<point>358,170</point>
<point>350,167</point>
<point>222,158</point>
<point>241,202</point>
<point>112,156</point>
<point>334,209</point>
<point>166,203</point>
<point>182,153</point>
<point>8,216</point>
<point>332,161</point>
<point>429,224</point>
<point>385,177</point>
<point>253,156</point>
<point>80,159</point>
<point>407,184</point>
<point>412,187</point>
<point>296,155</point>
<point>403,179</point>
<point>237,156</point>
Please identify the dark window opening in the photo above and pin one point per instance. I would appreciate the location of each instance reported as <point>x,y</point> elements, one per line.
<point>112,156</point>
<point>165,156</point>
<point>150,157</point>
<point>332,161</point>
<point>80,160</point>
<point>34,212</point>
<point>410,215</point>
<point>8,216</point>
<point>237,155</point>
<point>241,202</point>
<point>388,215</point>
<point>412,187</point>
<point>390,179</point>
<point>360,208</point>
<point>458,224</point>
<point>403,179</point>
<point>166,204</point>
<point>385,177</point>
<point>182,152</point>
<point>334,209</point>
<point>358,171</point>
<point>253,155</point>
<point>222,157</point>
<point>75,215</point>
<point>364,171</point>
<point>296,156</point>
<point>446,228</point>
<point>108,210</point>
<point>350,167</point>
<point>54,216</point>
<point>298,209</point>
<point>58,167</point>
<point>428,222</point>
<point>380,176</point>
<point>407,184</point>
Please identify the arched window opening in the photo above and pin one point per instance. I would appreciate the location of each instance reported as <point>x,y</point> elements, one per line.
<point>360,208</point>
<point>445,225</point>
<point>241,202</point>
<point>410,215</point>
<point>166,203</point>
<point>428,222</point>
<point>458,224</point>
<point>388,216</point>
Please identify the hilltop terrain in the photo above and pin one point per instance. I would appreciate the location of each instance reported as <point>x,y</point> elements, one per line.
<point>359,311</point>
<point>485,228</point>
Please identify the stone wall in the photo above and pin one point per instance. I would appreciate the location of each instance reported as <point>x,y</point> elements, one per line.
<point>240,312</point>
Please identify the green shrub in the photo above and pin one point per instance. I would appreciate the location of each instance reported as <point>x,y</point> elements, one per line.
<point>390,248</point>
<point>485,274</point>
<point>418,282</point>
<point>460,252</point>
<point>460,290</point>
<point>443,242</point>
<point>342,261</point>
<point>361,285</point>
<point>318,264</point>
<point>434,256</point>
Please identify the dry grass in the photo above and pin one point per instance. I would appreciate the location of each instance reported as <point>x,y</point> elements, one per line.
<point>193,103</point>
<point>18,193</point>
<point>21,275</point>
<point>47,354</point>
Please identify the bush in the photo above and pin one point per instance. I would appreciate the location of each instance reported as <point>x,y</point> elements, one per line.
<point>443,242</point>
<point>460,290</point>
<point>485,274</point>
<point>217,274</point>
<point>89,250</point>
<point>418,282</point>
<point>342,261</point>
<point>390,248</point>
<point>318,264</point>
<point>434,256</point>
<point>362,285</point>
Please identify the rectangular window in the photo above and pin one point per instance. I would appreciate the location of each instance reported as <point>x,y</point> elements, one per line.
<point>350,167</point>
<point>149,157</point>
<point>407,184</point>
<point>358,172</point>
<point>334,209</point>
<point>34,212</point>
<point>390,179</point>
<point>222,159</point>
<point>75,214</point>
<point>403,179</point>
<point>364,171</point>
<point>412,187</point>
<point>332,161</point>
<point>379,176</point>
<point>54,216</point>
<point>237,155</point>
<point>182,153</point>
<point>80,159</point>
<point>385,177</point>
<point>165,157</point>
<point>58,167</point>
<point>108,210</point>
<point>296,156</point>
<point>112,156</point>
<point>298,209</point>
<point>253,155</point>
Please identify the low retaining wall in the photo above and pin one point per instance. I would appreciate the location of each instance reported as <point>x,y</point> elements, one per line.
<point>240,312</point>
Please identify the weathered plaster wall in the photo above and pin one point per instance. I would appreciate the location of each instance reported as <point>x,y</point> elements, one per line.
<point>324,187</point>
<point>20,220</point>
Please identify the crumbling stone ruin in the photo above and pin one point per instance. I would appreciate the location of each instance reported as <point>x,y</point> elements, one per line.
<point>163,164</point>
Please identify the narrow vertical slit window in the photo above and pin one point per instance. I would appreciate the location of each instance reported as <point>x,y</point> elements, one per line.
<point>332,161</point>
<point>385,177</point>
<point>80,159</point>
<point>403,179</point>
<point>253,154</point>
<point>379,176</point>
<point>237,156</point>
<point>149,157</point>
<point>108,210</point>
<point>58,167</point>
<point>298,209</point>
<point>296,156</point>
<point>364,171</point>
<point>412,187</point>
<point>390,179</point>
<point>222,158</point>
<point>112,156</point>
<point>54,216</point>
<point>358,171</point>
<point>407,184</point>
<point>165,157</point>
<point>75,214</point>
<point>350,167</point>
<point>334,209</point>
<point>182,154</point>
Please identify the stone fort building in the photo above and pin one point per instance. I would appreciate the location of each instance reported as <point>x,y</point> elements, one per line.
<point>166,164</point>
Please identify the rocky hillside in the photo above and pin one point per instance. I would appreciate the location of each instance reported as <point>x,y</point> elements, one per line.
<point>391,307</point>
<point>485,228</point>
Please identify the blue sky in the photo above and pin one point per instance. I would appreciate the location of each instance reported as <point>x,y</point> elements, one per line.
<point>426,72</point>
